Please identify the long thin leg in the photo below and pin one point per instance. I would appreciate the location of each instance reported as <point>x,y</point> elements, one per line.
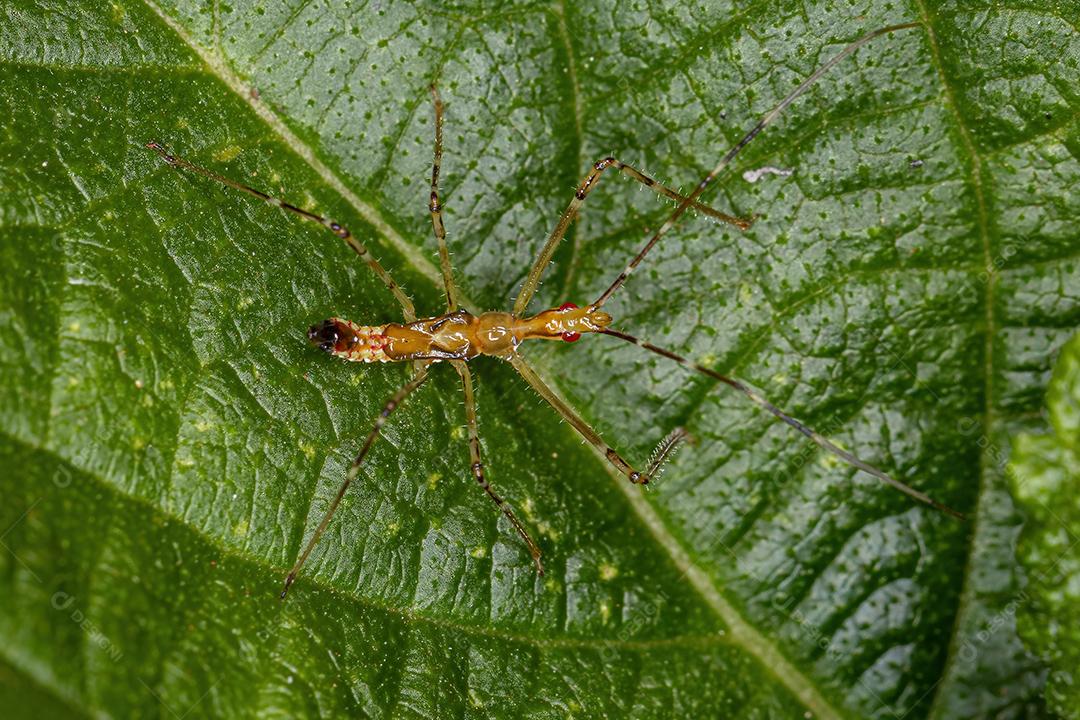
<point>532,282</point>
<point>590,435</point>
<point>354,470</point>
<point>341,231</point>
<point>436,209</point>
<point>690,201</point>
<point>820,440</point>
<point>477,466</point>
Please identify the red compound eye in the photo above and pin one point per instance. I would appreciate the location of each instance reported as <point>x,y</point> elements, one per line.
<point>568,306</point>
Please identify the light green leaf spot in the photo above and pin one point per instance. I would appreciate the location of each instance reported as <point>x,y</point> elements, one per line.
<point>1045,474</point>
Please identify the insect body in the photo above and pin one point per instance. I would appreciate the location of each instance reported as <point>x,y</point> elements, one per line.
<point>459,335</point>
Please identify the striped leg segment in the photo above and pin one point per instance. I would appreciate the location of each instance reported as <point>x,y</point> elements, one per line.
<point>532,282</point>
<point>340,230</point>
<point>764,404</point>
<point>436,209</point>
<point>477,467</point>
<point>691,200</point>
<point>354,470</point>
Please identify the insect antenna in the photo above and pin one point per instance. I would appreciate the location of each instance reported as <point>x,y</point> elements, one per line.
<point>691,199</point>
<point>762,402</point>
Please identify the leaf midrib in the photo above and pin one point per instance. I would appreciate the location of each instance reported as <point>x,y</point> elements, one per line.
<point>985,460</point>
<point>742,632</point>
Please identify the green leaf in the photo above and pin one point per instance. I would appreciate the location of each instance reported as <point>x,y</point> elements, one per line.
<point>1043,475</point>
<point>172,438</point>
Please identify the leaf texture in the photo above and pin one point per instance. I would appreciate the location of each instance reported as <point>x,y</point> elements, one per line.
<point>171,438</point>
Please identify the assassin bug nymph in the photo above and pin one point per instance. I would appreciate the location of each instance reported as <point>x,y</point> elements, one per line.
<point>458,335</point>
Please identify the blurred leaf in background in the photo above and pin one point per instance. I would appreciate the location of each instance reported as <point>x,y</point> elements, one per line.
<point>169,436</point>
<point>1045,471</point>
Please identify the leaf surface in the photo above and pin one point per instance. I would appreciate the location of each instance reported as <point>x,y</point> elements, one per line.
<point>173,438</point>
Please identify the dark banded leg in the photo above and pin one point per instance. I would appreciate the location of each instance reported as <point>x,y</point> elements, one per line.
<point>354,470</point>
<point>532,282</point>
<point>436,209</point>
<point>477,466</point>
<point>759,400</point>
<point>691,200</point>
<point>340,230</point>
<point>590,435</point>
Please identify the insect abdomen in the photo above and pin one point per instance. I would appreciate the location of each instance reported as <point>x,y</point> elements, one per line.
<point>349,341</point>
<point>366,344</point>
